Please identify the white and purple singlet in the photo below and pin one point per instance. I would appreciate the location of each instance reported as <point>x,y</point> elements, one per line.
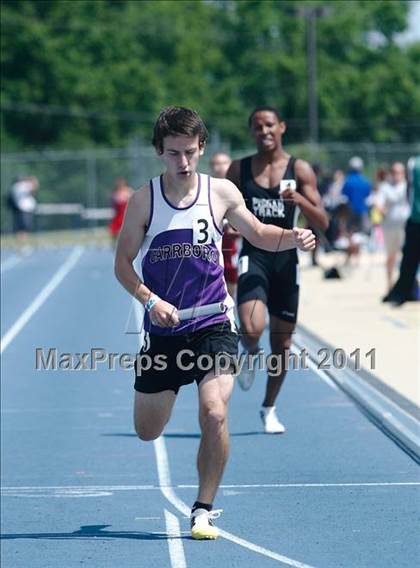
<point>181,257</point>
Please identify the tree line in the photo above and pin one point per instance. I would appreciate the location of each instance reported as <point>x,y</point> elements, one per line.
<point>82,73</point>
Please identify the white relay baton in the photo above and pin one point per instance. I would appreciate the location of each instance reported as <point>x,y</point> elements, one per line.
<point>197,311</point>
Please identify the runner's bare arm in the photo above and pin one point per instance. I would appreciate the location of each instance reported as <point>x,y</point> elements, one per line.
<point>309,200</point>
<point>234,175</point>
<point>129,243</point>
<point>266,237</point>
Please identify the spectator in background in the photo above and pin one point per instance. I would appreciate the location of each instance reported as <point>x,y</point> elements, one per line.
<point>23,204</point>
<point>219,165</point>
<point>323,179</point>
<point>375,211</point>
<point>406,289</point>
<point>119,200</point>
<point>392,203</point>
<point>338,234</point>
<point>357,188</point>
<point>334,204</point>
<point>322,182</point>
<point>335,188</point>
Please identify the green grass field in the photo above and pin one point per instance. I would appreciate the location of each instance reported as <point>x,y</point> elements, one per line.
<point>97,237</point>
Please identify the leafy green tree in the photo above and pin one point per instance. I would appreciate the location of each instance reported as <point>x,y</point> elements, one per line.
<point>78,73</point>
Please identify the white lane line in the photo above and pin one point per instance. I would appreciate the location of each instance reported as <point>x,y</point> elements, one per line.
<point>79,488</point>
<point>41,298</point>
<point>10,263</point>
<point>162,464</point>
<point>172,523</point>
<point>60,410</point>
<point>321,374</point>
<point>89,488</point>
<point>376,392</point>
<point>176,548</point>
<point>292,485</point>
<point>74,494</point>
<point>377,404</point>
<point>168,492</point>
<point>263,551</point>
<point>165,479</point>
<point>109,490</point>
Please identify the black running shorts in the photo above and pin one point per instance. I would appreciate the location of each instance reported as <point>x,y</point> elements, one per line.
<point>168,362</point>
<point>276,286</point>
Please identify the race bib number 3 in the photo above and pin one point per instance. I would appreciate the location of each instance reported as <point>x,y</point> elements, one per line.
<point>202,231</point>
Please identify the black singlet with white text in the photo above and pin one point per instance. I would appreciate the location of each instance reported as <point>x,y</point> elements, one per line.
<point>269,207</point>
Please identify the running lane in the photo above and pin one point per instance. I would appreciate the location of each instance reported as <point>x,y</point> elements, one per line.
<point>80,488</point>
<point>22,281</point>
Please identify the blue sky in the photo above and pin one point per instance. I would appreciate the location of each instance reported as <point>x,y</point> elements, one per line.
<point>413,33</point>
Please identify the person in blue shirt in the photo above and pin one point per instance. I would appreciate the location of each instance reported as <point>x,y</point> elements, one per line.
<point>357,188</point>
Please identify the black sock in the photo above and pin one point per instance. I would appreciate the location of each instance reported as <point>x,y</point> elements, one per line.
<point>198,505</point>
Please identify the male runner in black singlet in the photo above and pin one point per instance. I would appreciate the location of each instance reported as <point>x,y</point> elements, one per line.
<point>274,186</point>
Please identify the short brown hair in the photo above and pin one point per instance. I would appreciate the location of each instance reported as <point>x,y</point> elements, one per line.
<point>178,121</point>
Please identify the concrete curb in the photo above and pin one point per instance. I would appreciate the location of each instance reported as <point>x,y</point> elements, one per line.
<point>397,417</point>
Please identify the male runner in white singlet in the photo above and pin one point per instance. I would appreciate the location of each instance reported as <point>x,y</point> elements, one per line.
<point>175,223</point>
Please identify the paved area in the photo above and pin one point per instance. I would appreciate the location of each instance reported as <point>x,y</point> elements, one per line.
<point>79,488</point>
<point>348,314</point>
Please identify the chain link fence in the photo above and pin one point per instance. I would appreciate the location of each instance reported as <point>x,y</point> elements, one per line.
<point>85,178</point>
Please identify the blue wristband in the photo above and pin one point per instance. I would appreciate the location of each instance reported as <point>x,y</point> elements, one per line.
<point>150,303</point>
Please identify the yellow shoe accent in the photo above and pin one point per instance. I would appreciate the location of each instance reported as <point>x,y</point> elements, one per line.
<point>206,533</point>
<point>202,526</point>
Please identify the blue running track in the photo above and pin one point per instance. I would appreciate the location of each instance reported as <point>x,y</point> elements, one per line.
<point>80,489</point>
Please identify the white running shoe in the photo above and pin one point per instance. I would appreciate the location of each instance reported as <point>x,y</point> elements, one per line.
<point>247,374</point>
<point>272,425</point>
<point>202,524</point>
